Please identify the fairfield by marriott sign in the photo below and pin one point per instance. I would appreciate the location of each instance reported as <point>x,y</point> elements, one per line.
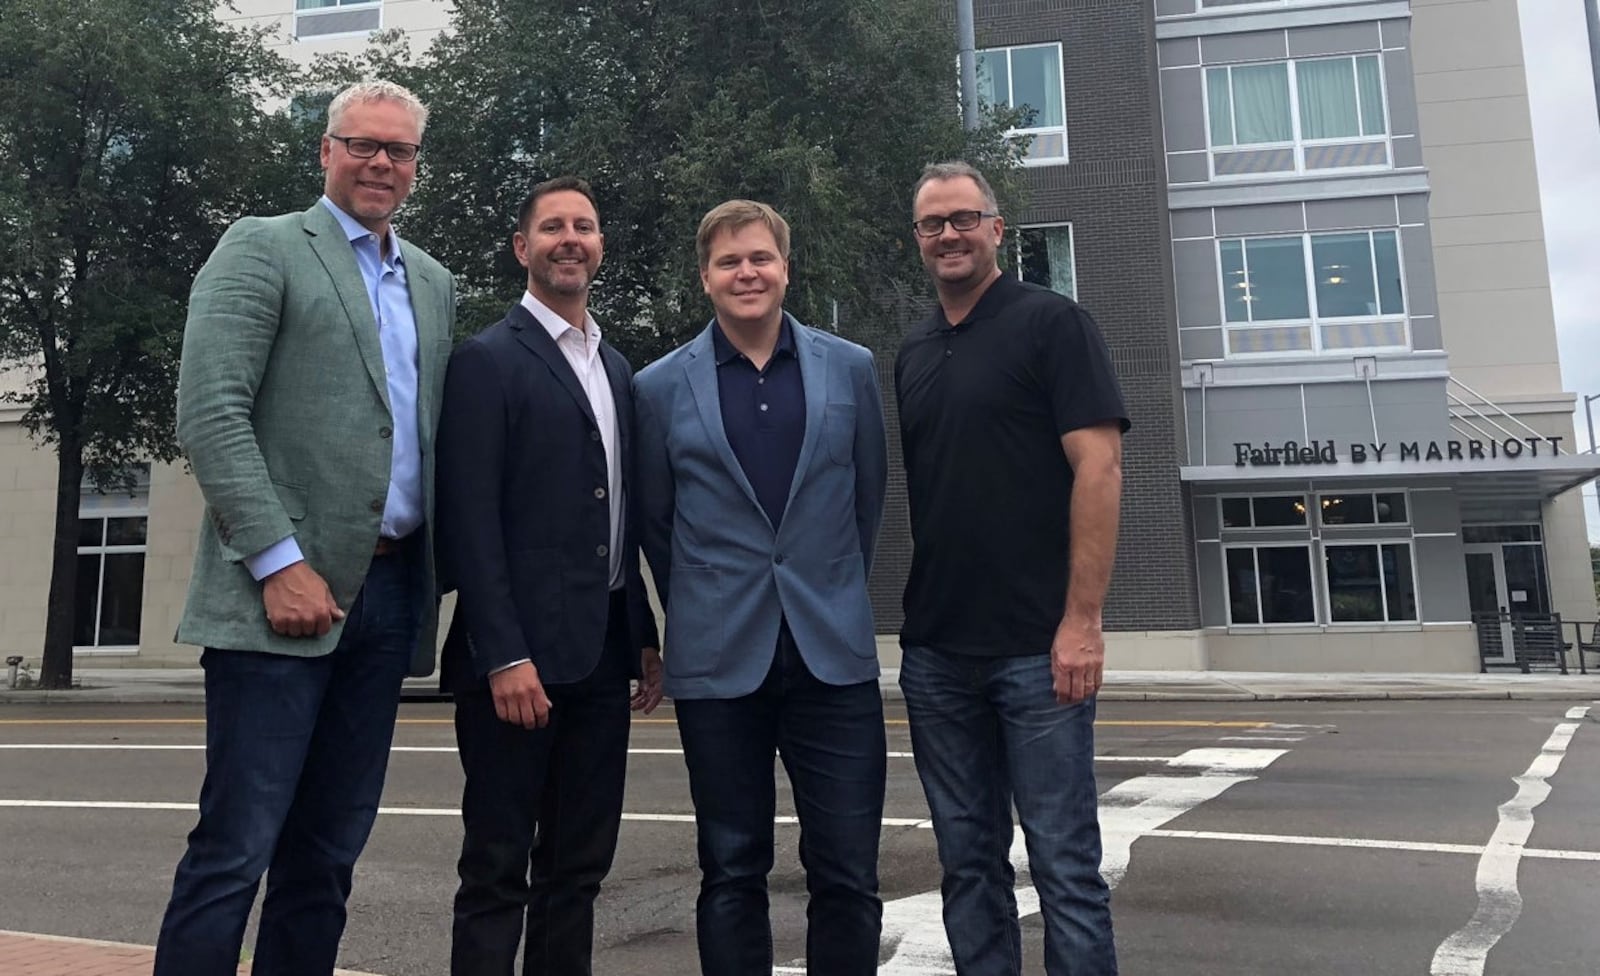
<point>1246,454</point>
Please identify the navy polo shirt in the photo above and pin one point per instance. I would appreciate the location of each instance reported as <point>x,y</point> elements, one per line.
<point>983,406</point>
<point>764,415</point>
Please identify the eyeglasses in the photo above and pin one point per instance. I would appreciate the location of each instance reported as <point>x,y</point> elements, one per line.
<point>960,220</point>
<point>398,152</point>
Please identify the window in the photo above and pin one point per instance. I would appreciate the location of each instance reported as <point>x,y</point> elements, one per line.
<point>1264,512</point>
<point>1044,256</point>
<point>1380,508</point>
<point>1270,585</point>
<point>110,581</point>
<point>1028,79</point>
<point>1300,116</point>
<point>1312,293</point>
<point>1370,582</point>
<point>326,18</point>
<point>1478,534</point>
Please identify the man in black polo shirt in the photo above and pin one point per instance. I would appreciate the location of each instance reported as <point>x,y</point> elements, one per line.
<point>1011,421</point>
<point>762,470</point>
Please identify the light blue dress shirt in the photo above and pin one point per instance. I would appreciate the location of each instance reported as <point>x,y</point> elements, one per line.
<point>385,278</point>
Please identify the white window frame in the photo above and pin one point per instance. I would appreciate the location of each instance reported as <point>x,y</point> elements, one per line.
<point>1209,7</point>
<point>100,509</point>
<point>1255,546</point>
<point>1296,142</point>
<point>1316,320</point>
<point>1383,584</point>
<point>1061,62</point>
<point>1072,247</point>
<point>342,6</point>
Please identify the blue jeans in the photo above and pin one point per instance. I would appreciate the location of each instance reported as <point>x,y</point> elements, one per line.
<point>988,732</point>
<point>296,752</point>
<point>832,742</point>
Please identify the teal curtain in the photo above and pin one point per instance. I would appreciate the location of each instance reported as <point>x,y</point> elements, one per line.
<point>1369,87</point>
<point>1327,99</point>
<point>1261,104</point>
<point>1220,104</point>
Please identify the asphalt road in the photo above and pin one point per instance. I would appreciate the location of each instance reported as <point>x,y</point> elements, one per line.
<point>1314,839</point>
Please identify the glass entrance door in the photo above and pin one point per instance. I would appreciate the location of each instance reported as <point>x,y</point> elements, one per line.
<point>1486,597</point>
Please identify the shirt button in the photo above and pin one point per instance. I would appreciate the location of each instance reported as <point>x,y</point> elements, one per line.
<point>763,408</point>
<point>385,432</point>
<point>599,493</point>
<point>762,381</point>
<point>948,353</point>
<point>602,551</point>
<point>377,505</point>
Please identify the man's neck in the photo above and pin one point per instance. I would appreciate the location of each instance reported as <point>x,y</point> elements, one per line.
<point>958,299</point>
<point>573,309</point>
<point>756,340</point>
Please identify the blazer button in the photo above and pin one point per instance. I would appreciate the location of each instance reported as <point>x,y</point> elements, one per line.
<point>594,435</point>
<point>602,551</point>
<point>778,559</point>
<point>385,433</point>
<point>377,506</point>
<point>599,493</point>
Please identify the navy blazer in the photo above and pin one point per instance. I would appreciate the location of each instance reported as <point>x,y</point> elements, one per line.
<point>524,537</point>
<point>726,576</point>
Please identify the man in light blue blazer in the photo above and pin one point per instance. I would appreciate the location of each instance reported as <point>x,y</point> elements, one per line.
<point>762,465</point>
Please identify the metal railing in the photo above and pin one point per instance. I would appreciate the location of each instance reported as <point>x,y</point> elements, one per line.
<point>1530,642</point>
<point>1466,415</point>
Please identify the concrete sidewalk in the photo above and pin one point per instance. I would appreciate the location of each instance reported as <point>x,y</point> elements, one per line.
<point>26,954</point>
<point>186,685</point>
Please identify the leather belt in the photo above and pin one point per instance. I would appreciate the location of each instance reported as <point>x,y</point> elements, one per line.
<point>389,547</point>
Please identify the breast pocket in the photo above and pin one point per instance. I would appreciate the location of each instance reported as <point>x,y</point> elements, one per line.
<point>839,431</point>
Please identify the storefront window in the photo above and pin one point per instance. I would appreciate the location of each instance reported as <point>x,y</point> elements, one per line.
<point>1270,585</point>
<point>1264,512</point>
<point>1380,508</point>
<point>1370,583</point>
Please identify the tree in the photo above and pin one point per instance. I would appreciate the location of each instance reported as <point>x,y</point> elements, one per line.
<point>827,109</point>
<point>131,134</point>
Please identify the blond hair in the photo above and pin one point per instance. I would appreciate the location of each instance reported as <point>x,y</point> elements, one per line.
<point>733,215</point>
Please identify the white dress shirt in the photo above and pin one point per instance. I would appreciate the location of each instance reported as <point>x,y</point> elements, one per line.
<point>582,351</point>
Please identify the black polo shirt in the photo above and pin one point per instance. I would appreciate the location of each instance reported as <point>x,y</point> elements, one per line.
<point>764,415</point>
<point>983,406</point>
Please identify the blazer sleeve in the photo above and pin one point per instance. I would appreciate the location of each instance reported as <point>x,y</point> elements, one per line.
<point>657,497</point>
<point>471,453</point>
<point>235,309</point>
<point>871,458</point>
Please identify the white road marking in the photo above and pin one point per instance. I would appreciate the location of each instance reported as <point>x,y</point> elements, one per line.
<point>1466,951</point>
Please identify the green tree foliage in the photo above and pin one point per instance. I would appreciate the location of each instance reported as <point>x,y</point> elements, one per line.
<point>131,133</point>
<point>826,109</point>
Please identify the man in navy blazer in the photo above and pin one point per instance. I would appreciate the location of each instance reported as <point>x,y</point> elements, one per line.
<point>552,618</point>
<point>762,466</point>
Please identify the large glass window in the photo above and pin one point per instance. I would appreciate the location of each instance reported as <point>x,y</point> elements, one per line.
<point>110,579</point>
<point>1028,78</point>
<point>1364,508</point>
<point>331,18</point>
<point>1270,585</point>
<point>1311,114</point>
<point>1370,582</point>
<point>1043,255</point>
<point>1264,512</point>
<point>1346,287</point>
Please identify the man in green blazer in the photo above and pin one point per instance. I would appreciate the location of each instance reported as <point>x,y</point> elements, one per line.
<point>313,366</point>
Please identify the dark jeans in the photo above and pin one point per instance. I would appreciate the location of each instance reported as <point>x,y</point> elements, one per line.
<point>541,811</point>
<point>296,752</point>
<point>831,739</point>
<point>986,732</point>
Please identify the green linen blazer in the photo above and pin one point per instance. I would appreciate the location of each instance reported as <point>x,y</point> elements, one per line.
<point>283,411</point>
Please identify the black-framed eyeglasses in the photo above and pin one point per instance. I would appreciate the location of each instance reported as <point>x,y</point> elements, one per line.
<point>933,226</point>
<point>398,152</point>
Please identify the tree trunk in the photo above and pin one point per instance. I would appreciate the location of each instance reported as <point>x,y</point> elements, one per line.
<point>56,671</point>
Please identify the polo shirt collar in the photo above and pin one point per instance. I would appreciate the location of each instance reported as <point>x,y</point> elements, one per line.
<point>993,299</point>
<point>724,353</point>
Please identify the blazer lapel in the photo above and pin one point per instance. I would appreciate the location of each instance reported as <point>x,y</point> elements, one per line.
<point>621,396</point>
<point>531,333</point>
<point>701,372</point>
<point>333,249</point>
<point>814,377</point>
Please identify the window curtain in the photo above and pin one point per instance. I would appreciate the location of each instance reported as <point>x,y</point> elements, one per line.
<point>1261,104</point>
<point>1369,87</point>
<point>1327,99</point>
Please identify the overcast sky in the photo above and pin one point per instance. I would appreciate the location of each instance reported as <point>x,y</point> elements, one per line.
<point>1566,134</point>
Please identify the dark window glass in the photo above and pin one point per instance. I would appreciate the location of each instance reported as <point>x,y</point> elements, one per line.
<point>1242,586</point>
<point>1499,533</point>
<point>1285,581</point>
<point>1392,507</point>
<point>91,531</point>
<point>1355,592</point>
<point>1279,510</point>
<point>86,599</point>
<point>1347,510</point>
<point>1398,583</point>
<point>1236,513</point>
<point>126,531</point>
<point>120,600</point>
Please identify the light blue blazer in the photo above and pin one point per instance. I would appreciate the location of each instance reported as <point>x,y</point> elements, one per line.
<point>725,575</point>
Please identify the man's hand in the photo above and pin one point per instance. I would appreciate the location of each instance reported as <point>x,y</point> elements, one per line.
<point>519,697</point>
<point>298,602</point>
<point>647,694</point>
<point>1077,659</point>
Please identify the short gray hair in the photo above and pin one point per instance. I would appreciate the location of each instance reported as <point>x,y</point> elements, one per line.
<point>363,92</point>
<point>954,171</point>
